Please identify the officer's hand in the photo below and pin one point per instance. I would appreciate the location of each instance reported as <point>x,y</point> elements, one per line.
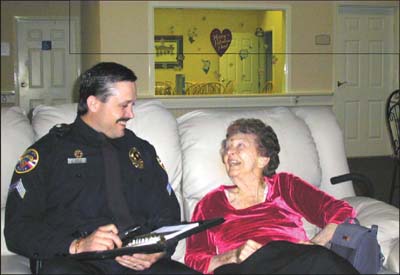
<point>103,238</point>
<point>139,261</point>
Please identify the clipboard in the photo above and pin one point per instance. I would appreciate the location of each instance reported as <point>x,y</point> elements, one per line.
<point>148,248</point>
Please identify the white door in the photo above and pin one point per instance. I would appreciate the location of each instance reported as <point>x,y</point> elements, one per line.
<point>242,69</point>
<point>364,78</point>
<point>46,68</point>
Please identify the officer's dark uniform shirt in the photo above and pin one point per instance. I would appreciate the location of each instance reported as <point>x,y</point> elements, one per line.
<point>58,190</point>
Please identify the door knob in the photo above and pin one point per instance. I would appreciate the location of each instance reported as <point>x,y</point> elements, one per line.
<point>340,83</point>
<point>23,84</point>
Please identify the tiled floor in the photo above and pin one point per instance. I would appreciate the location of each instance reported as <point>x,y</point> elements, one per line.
<point>380,171</point>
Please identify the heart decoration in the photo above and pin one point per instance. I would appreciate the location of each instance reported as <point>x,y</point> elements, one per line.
<point>221,41</point>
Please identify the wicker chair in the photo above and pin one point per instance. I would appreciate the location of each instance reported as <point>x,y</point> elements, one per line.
<point>209,88</point>
<point>163,88</point>
<point>393,125</point>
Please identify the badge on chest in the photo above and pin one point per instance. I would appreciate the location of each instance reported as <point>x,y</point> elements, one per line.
<point>78,158</point>
<point>136,158</point>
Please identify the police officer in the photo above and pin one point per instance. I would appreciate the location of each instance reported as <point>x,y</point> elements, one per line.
<point>81,185</point>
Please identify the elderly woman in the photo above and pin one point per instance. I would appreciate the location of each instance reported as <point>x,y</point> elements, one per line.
<point>263,231</point>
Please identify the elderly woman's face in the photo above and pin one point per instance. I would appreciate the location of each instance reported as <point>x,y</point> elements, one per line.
<point>241,156</point>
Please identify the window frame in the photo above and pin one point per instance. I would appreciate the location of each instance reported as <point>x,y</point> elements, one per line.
<point>217,101</point>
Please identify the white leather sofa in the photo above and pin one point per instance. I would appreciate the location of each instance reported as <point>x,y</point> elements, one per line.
<point>311,142</point>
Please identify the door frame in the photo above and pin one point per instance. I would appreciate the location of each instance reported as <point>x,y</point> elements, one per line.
<point>74,43</point>
<point>394,64</point>
<point>272,30</point>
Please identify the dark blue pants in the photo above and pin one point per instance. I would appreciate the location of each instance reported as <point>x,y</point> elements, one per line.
<point>70,266</point>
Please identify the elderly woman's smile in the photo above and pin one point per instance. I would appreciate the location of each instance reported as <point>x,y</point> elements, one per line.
<point>241,155</point>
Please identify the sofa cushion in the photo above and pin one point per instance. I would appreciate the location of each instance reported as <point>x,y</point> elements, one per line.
<point>45,117</point>
<point>393,260</point>
<point>16,136</point>
<point>327,134</point>
<point>202,131</point>
<point>4,250</point>
<point>14,264</point>
<point>152,122</point>
<point>386,217</point>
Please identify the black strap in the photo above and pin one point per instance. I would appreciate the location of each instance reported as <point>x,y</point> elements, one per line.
<point>115,198</point>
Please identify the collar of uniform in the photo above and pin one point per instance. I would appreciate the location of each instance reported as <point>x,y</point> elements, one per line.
<point>90,135</point>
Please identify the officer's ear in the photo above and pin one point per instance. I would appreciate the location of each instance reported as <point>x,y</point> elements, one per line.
<point>92,103</point>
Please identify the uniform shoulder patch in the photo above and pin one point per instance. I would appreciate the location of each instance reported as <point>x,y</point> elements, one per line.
<point>27,162</point>
<point>61,129</point>
<point>160,163</point>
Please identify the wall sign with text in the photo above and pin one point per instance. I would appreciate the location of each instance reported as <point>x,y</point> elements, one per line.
<point>169,51</point>
<point>221,40</point>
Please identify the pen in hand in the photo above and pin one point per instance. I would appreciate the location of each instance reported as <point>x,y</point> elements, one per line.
<point>127,235</point>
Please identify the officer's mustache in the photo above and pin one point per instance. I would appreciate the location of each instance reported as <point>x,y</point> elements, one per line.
<point>122,119</point>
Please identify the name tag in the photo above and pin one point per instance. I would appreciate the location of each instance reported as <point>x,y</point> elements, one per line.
<point>76,160</point>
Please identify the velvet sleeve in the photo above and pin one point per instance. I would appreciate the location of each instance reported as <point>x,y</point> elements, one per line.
<point>200,247</point>
<point>315,205</point>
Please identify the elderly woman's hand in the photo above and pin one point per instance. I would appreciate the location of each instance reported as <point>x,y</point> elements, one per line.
<point>237,255</point>
<point>245,251</point>
<point>325,235</point>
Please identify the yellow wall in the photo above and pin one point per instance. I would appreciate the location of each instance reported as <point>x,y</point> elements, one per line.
<point>179,22</point>
<point>124,30</point>
<point>274,20</point>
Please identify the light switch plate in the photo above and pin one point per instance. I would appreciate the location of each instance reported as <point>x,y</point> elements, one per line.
<point>5,49</point>
<point>322,39</point>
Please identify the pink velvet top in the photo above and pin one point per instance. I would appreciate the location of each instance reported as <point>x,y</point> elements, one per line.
<point>289,198</point>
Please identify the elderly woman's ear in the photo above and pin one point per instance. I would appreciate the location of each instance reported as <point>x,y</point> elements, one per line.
<point>262,161</point>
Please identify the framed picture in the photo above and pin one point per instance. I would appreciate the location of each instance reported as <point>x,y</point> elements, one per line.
<point>169,51</point>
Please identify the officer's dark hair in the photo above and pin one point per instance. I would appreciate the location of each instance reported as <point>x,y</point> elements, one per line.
<point>98,80</point>
<point>266,139</point>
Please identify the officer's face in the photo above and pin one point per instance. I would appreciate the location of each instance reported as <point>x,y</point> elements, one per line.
<point>112,115</point>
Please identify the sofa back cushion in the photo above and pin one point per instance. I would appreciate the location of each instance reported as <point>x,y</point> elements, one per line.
<point>202,131</point>
<point>328,138</point>
<point>152,122</point>
<point>16,136</point>
<point>45,117</point>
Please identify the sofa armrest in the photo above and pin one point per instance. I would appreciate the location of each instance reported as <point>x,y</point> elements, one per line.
<point>393,259</point>
<point>386,217</point>
<point>356,178</point>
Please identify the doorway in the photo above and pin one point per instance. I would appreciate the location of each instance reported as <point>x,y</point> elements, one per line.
<point>364,71</point>
<point>268,42</point>
<point>240,63</point>
<point>47,69</point>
